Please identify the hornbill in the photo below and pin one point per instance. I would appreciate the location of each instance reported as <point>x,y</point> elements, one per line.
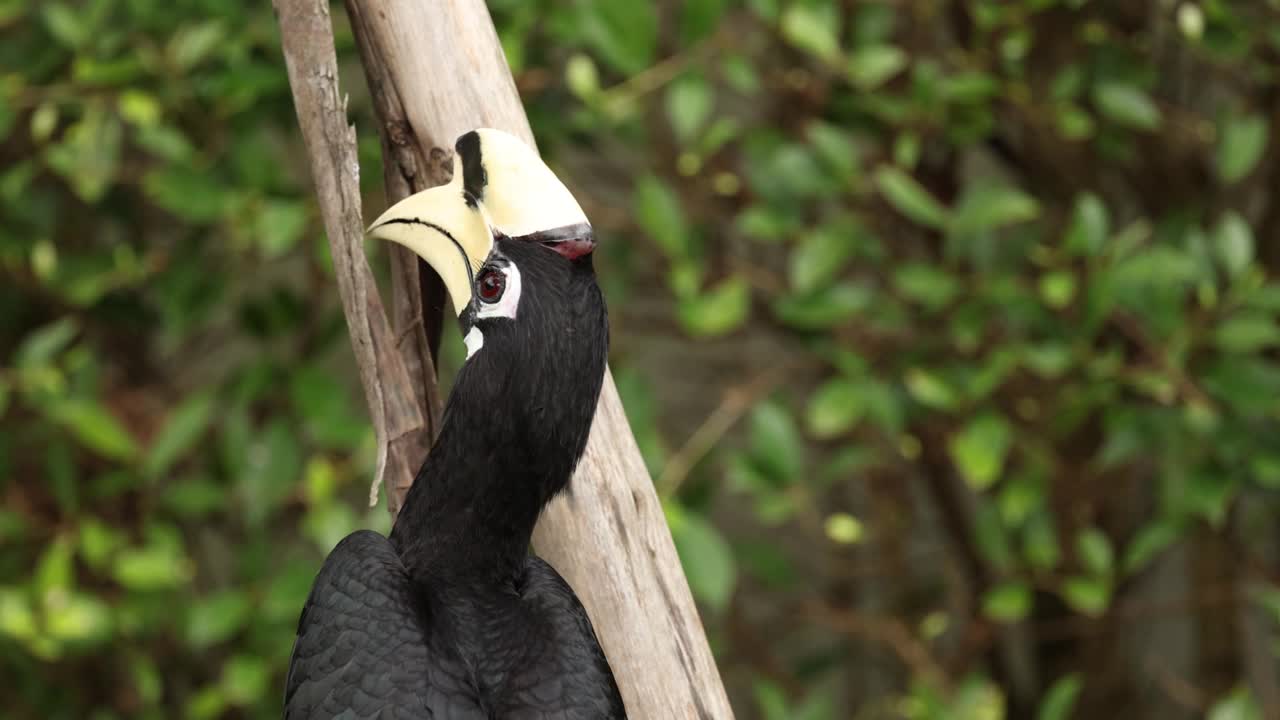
<point>450,617</point>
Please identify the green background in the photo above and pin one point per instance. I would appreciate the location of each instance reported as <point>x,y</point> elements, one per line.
<point>948,330</point>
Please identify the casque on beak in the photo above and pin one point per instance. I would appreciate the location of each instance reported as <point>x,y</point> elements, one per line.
<point>500,188</point>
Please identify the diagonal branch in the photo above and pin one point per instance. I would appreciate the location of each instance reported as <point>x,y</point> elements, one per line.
<point>398,423</point>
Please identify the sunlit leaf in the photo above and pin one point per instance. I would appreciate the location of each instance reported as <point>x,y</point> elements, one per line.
<point>979,450</point>
<point>719,310</point>
<point>910,198</point>
<point>1242,141</point>
<point>989,207</point>
<point>660,214</point>
<point>1060,700</point>
<point>812,29</point>
<point>1233,242</point>
<point>95,427</point>
<point>871,66</point>
<point>707,559</point>
<point>835,408</point>
<point>689,103</point>
<point>1127,105</point>
<point>1094,549</point>
<point>1087,595</point>
<point>1008,602</point>
<point>181,430</point>
<point>214,619</point>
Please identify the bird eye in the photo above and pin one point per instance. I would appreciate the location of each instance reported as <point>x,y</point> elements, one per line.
<point>490,285</point>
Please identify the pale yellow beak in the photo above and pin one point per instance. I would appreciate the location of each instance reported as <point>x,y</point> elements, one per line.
<point>442,228</point>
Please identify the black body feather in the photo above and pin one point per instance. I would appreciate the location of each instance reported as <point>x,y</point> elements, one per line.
<point>450,618</point>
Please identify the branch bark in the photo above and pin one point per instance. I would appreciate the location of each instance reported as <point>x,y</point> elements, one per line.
<point>399,423</point>
<point>436,70</point>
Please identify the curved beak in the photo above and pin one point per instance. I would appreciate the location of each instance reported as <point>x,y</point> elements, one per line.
<point>500,188</point>
<point>445,227</point>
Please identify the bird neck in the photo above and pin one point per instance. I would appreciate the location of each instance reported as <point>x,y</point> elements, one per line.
<point>513,431</point>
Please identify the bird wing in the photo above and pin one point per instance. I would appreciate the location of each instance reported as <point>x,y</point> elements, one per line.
<point>571,680</point>
<point>361,650</point>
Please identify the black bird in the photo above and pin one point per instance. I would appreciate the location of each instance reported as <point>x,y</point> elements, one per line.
<point>450,617</point>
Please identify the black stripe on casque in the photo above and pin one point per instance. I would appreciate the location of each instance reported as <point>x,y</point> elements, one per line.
<point>577,231</point>
<point>474,177</point>
<point>466,260</point>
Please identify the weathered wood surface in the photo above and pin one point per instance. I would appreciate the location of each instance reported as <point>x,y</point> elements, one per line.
<point>436,70</point>
<point>403,435</point>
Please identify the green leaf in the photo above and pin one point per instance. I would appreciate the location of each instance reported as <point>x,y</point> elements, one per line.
<point>1058,288</point>
<point>828,307</point>
<point>1149,542</point>
<point>154,567</point>
<point>926,284</point>
<point>17,618</point>
<point>89,154</point>
<point>1059,702</point>
<point>1127,105</point>
<point>624,34</point>
<point>214,619</point>
<point>192,44</point>
<point>835,408</point>
<point>929,389</point>
<point>77,617</point>
<point>838,151</point>
<point>273,466</point>
<point>660,214</point>
<point>812,29</point>
<point>717,311</point>
<point>1087,595</point>
<point>979,450</point>
<point>581,75</point>
<point>700,18</point>
<point>776,443</point>
<point>843,528</point>
<point>1247,333</point>
<point>67,26</point>
<point>689,103</point>
<point>1095,551</point>
<point>1007,602</point>
<point>1242,141</point>
<point>707,560</point>
<point>1239,704</point>
<point>196,197</point>
<point>1233,243</point>
<point>872,65</point>
<point>280,226</point>
<point>181,431</point>
<point>42,345</point>
<point>55,570</point>
<point>1040,543</point>
<point>246,679</point>
<point>990,207</point>
<point>95,428</point>
<point>910,197</point>
<point>819,257</point>
<point>1089,226</point>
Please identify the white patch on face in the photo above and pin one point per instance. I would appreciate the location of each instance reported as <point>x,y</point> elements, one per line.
<point>509,303</point>
<point>474,341</point>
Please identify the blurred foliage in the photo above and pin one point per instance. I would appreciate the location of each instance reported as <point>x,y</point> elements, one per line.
<point>968,400</point>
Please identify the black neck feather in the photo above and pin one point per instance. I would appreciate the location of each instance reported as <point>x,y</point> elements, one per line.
<point>514,428</point>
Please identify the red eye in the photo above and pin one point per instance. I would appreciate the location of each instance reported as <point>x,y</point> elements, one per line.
<point>491,284</point>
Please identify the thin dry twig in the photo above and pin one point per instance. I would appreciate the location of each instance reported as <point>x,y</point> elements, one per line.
<point>736,402</point>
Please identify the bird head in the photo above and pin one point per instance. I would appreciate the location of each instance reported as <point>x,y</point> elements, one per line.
<point>513,248</point>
